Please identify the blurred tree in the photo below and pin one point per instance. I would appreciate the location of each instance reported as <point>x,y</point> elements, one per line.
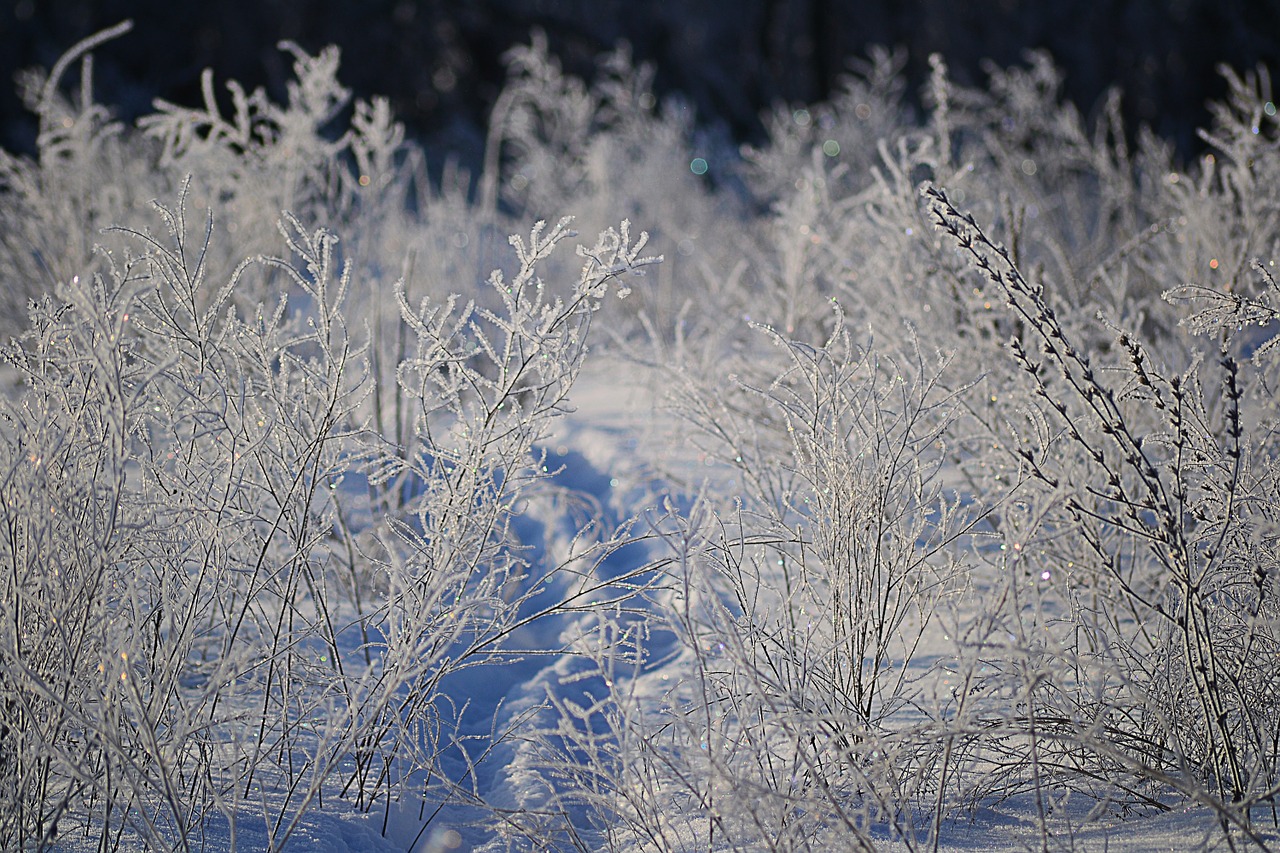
<point>441,61</point>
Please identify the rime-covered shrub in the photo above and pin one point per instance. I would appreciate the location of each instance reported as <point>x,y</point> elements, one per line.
<point>964,502</point>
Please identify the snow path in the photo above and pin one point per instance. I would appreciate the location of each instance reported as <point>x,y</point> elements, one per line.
<point>599,458</point>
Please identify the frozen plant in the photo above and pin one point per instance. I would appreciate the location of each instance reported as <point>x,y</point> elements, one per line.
<point>52,207</point>
<point>1155,531</point>
<point>784,716</point>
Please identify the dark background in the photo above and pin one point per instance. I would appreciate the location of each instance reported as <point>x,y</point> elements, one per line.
<point>440,62</point>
